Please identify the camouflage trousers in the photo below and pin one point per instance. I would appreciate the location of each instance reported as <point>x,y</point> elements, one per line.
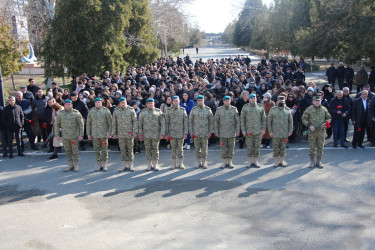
<point>253,145</point>
<point>177,148</point>
<point>101,149</point>
<point>71,149</point>
<point>227,147</point>
<point>316,141</point>
<point>126,147</point>
<point>152,149</point>
<point>279,147</point>
<point>201,145</point>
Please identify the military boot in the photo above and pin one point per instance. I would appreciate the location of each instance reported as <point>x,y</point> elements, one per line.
<point>319,163</point>
<point>181,163</point>
<point>173,163</point>
<point>70,167</point>
<point>223,163</point>
<point>125,167</point>
<point>275,162</point>
<point>156,165</point>
<point>256,163</point>
<point>99,167</point>
<point>283,162</point>
<point>250,162</point>
<point>198,163</point>
<point>230,163</point>
<point>76,166</point>
<point>149,166</point>
<point>204,163</point>
<point>131,167</point>
<point>312,162</point>
<point>104,164</point>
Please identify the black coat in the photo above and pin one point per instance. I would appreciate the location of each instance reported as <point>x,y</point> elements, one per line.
<point>335,105</point>
<point>358,115</point>
<point>2,128</point>
<point>12,118</point>
<point>81,107</point>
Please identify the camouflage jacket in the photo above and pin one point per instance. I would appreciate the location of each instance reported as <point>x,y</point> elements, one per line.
<point>280,122</point>
<point>201,121</point>
<point>227,122</point>
<point>176,122</point>
<point>316,116</point>
<point>151,123</point>
<point>71,123</point>
<point>124,122</point>
<point>253,119</point>
<point>99,122</point>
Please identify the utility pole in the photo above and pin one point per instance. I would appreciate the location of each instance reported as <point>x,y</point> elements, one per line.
<point>1,90</point>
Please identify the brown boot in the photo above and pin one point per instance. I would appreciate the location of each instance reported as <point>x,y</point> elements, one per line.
<point>198,163</point>
<point>312,162</point>
<point>275,162</point>
<point>156,165</point>
<point>250,162</point>
<point>204,163</point>
<point>131,167</point>
<point>104,164</point>
<point>223,163</point>
<point>125,167</point>
<point>149,166</point>
<point>70,167</point>
<point>230,163</point>
<point>173,163</point>
<point>319,163</point>
<point>283,162</point>
<point>181,163</point>
<point>256,163</point>
<point>76,166</point>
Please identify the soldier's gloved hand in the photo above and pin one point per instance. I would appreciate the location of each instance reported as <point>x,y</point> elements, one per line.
<point>312,128</point>
<point>89,137</point>
<point>114,137</point>
<point>271,134</point>
<point>80,138</point>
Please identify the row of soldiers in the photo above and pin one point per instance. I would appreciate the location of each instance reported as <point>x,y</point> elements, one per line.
<point>152,126</point>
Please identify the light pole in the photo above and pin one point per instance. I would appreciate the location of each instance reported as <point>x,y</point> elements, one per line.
<point>1,90</point>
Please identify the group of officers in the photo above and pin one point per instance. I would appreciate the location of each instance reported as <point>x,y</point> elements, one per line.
<point>152,126</point>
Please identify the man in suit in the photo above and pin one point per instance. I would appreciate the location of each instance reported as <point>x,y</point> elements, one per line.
<point>360,119</point>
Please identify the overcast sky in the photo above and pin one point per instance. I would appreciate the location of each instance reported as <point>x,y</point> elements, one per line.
<point>212,16</point>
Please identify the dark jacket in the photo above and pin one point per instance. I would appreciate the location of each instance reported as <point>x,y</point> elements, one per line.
<point>39,105</point>
<point>47,114</point>
<point>12,117</point>
<point>33,88</point>
<point>358,115</point>
<point>342,105</point>
<point>341,72</point>
<point>2,127</point>
<point>81,107</point>
<point>349,74</point>
<point>372,108</point>
<point>331,73</point>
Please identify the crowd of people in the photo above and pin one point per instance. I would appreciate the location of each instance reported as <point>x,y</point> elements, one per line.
<point>231,83</point>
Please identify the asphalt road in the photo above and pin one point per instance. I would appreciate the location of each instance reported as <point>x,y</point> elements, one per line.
<point>41,207</point>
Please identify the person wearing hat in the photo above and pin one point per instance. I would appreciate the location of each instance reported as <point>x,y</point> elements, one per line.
<point>70,122</point>
<point>280,127</point>
<point>125,128</point>
<point>27,95</point>
<point>227,127</point>
<point>98,125</point>
<point>176,129</point>
<point>151,130</point>
<point>253,126</point>
<point>316,118</point>
<point>79,105</point>
<point>201,126</point>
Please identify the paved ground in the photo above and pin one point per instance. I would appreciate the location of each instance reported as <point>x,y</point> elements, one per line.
<point>41,207</point>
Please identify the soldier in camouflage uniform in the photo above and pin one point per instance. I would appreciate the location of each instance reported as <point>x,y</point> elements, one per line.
<point>227,127</point>
<point>253,126</point>
<point>125,128</point>
<point>176,127</point>
<point>70,121</point>
<point>316,118</point>
<point>201,126</point>
<point>151,130</point>
<point>98,126</point>
<point>280,127</point>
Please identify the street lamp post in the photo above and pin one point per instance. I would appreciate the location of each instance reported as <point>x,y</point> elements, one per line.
<point>1,90</point>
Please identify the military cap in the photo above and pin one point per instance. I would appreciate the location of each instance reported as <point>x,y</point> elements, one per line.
<point>73,93</point>
<point>226,98</point>
<point>122,99</point>
<point>252,95</point>
<point>23,87</point>
<point>68,101</point>
<point>200,97</point>
<point>98,99</point>
<point>149,100</point>
<point>316,98</point>
<point>175,97</point>
<point>281,98</point>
